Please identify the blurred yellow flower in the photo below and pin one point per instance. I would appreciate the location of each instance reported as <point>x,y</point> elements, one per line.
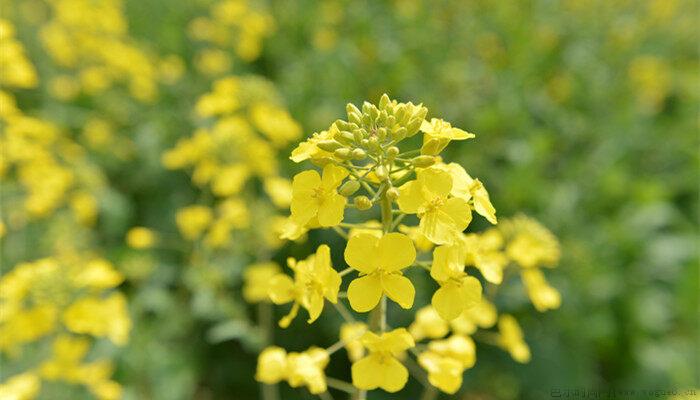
<point>428,324</point>
<point>193,220</point>
<point>257,279</point>
<point>510,338</point>
<point>140,237</point>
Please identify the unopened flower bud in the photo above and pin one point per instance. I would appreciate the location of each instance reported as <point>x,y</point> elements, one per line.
<point>384,101</point>
<point>359,154</point>
<point>342,153</point>
<point>381,173</point>
<point>349,188</point>
<point>399,134</point>
<point>329,145</point>
<point>362,203</point>
<point>413,126</point>
<point>392,193</point>
<point>392,152</point>
<point>423,161</point>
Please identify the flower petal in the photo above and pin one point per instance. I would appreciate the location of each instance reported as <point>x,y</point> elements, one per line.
<point>399,289</point>
<point>471,292</point>
<point>281,289</point>
<point>448,301</point>
<point>396,251</point>
<point>366,372</point>
<point>360,253</point>
<point>364,293</point>
<point>410,197</point>
<point>332,210</point>
<point>393,375</point>
<point>333,175</point>
<point>459,211</point>
<point>435,183</point>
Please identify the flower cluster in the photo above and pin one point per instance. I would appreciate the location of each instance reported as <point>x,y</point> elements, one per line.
<point>67,301</point>
<point>364,168</point>
<point>240,25</point>
<point>89,40</point>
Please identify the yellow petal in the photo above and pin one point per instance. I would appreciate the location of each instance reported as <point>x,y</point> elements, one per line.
<point>331,210</point>
<point>400,289</point>
<point>360,252</point>
<point>448,302</point>
<point>304,206</point>
<point>435,183</point>
<point>364,293</point>
<point>438,227</point>
<point>281,289</point>
<point>459,211</point>
<point>365,372</point>
<point>471,292</point>
<point>482,202</point>
<point>446,263</point>
<point>313,303</point>
<point>393,375</point>
<point>396,251</point>
<point>333,175</point>
<point>410,197</point>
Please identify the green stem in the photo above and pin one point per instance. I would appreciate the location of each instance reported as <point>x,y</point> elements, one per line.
<point>266,322</point>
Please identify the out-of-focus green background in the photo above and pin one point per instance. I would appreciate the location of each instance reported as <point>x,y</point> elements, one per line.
<point>586,116</point>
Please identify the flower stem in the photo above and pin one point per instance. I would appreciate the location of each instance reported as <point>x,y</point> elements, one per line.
<point>266,322</point>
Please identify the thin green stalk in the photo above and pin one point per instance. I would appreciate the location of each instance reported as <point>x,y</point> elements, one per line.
<point>266,322</point>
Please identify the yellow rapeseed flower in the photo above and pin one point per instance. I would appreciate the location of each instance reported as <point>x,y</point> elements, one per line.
<point>438,134</point>
<point>458,291</point>
<point>139,237</point>
<point>193,220</point>
<point>381,368</point>
<point>380,261</point>
<point>314,280</point>
<point>510,338</point>
<point>256,281</point>
<point>442,218</point>
<point>315,195</point>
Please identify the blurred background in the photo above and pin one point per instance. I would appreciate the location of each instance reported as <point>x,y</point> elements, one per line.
<point>586,116</point>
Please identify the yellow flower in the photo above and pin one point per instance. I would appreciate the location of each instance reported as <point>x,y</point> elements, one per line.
<point>350,334</point>
<point>230,179</point>
<point>308,150</point>
<point>193,220</point>
<point>272,365</point>
<point>380,261</point>
<point>442,218</point>
<point>313,195</point>
<point>428,324</point>
<point>422,243</point>
<point>100,317</point>
<point>256,280</point>
<point>381,368</point>
<point>543,296</point>
<point>444,373</point>
<point>314,280</point>
<point>446,360</point>
<point>484,251</point>
<point>23,386</point>
<point>531,245</point>
<point>438,134</point>
<point>510,338</point>
<point>482,315</point>
<point>306,369</point>
<point>275,123</point>
<point>98,274</point>
<point>279,190</point>
<point>458,291</point>
<point>140,238</point>
<point>64,364</point>
<point>467,188</point>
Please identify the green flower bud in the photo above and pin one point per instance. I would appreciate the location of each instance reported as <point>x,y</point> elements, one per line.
<point>349,188</point>
<point>423,161</point>
<point>413,126</point>
<point>400,113</point>
<point>355,118</point>
<point>359,154</point>
<point>399,134</point>
<point>392,152</point>
<point>347,137</point>
<point>343,125</point>
<point>381,173</point>
<point>390,121</point>
<point>374,144</point>
<point>362,203</point>
<point>392,193</point>
<point>357,134</point>
<point>384,101</point>
<point>351,109</point>
<point>329,145</point>
<point>381,134</point>
<point>342,153</point>
<point>383,117</point>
